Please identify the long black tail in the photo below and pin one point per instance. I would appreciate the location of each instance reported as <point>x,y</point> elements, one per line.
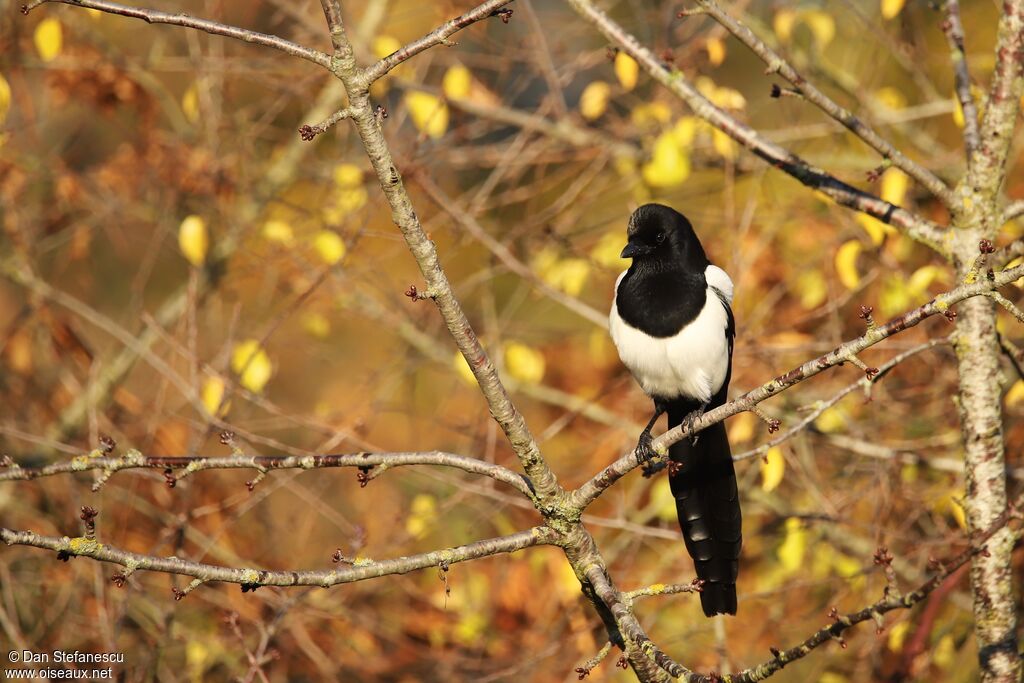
<point>708,505</point>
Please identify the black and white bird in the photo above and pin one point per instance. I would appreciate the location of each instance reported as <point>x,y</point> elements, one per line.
<point>672,324</point>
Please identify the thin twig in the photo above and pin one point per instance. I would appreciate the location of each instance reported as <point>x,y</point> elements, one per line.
<point>152,16</point>
<point>438,36</point>
<point>913,225</point>
<point>381,461</point>
<point>360,570</point>
<point>777,64</point>
<point>954,30</point>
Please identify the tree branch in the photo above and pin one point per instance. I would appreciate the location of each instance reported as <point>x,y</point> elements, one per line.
<point>108,465</point>
<point>777,64</point>
<point>891,601</point>
<point>438,36</point>
<point>954,30</point>
<point>361,569</point>
<point>918,228</point>
<point>152,16</point>
<point>593,488</point>
<point>438,287</point>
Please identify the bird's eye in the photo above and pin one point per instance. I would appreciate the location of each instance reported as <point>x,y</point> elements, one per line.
<point>660,237</point>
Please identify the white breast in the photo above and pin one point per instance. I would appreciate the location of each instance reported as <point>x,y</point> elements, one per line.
<point>694,362</point>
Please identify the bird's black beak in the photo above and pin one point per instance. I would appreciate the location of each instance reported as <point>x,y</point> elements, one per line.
<point>633,250</point>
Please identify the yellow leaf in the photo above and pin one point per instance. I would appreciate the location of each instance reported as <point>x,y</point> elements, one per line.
<point>685,131</point>
<point>457,81</point>
<point>462,368</point>
<point>895,296</point>
<point>429,114</point>
<point>568,275</point>
<point>944,655</point>
<point>846,264</point>
<point>877,230</point>
<point>891,98</point>
<point>822,25</point>
<point>252,365</point>
<point>594,100</point>
<point>650,114</point>
<point>278,232</point>
<point>897,635</point>
<point>190,104</point>
<point>716,50</point>
<point>950,504</point>
<point>1016,394</point>
<point>316,325</point>
<point>812,288</point>
<point>197,658</point>
<point>384,46</point>
<point>724,145</point>
<point>607,250</point>
<point>923,277</point>
<point>329,246</point>
<point>348,176</point>
<point>783,23</point>
<point>662,501</point>
<point>669,165</point>
<point>422,515</point>
<point>890,8</point>
<point>894,186</point>
<point>193,240</point>
<point>626,70</point>
<point>832,677</point>
<point>773,467</point>
<point>49,39</point>
<point>5,98</point>
<point>830,421</point>
<point>212,396</point>
<point>741,428</point>
<point>524,363</point>
<point>794,545</point>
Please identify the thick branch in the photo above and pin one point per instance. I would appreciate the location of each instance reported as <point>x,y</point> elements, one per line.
<point>593,488</point>
<point>438,36</point>
<point>776,64</point>
<point>189,464</point>
<point>915,226</point>
<point>985,173</point>
<point>360,570</point>
<point>153,16</point>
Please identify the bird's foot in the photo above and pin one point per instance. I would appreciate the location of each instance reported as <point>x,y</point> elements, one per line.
<point>689,421</point>
<point>644,451</point>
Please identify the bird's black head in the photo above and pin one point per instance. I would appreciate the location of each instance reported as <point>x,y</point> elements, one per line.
<point>662,237</point>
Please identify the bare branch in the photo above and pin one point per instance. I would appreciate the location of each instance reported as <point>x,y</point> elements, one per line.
<point>360,570</point>
<point>891,601</point>
<point>1013,210</point>
<point>190,464</point>
<point>438,36</point>
<point>821,406</point>
<point>915,226</point>
<point>777,64</point>
<point>593,488</point>
<point>954,30</point>
<point>423,250</point>
<point>152,16</point>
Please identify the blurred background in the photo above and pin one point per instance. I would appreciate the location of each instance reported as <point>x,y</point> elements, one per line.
<point>176,261</point>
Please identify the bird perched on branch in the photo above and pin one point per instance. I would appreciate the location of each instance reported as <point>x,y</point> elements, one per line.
<point>672,324</point>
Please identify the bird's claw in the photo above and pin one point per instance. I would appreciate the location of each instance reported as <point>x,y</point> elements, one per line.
<point>644,452</point>
<point>689,421</point>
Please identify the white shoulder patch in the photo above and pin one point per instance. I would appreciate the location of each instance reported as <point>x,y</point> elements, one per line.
<point>720,280</point>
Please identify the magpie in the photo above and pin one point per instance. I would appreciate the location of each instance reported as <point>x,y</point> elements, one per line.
<point>672,324</point>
